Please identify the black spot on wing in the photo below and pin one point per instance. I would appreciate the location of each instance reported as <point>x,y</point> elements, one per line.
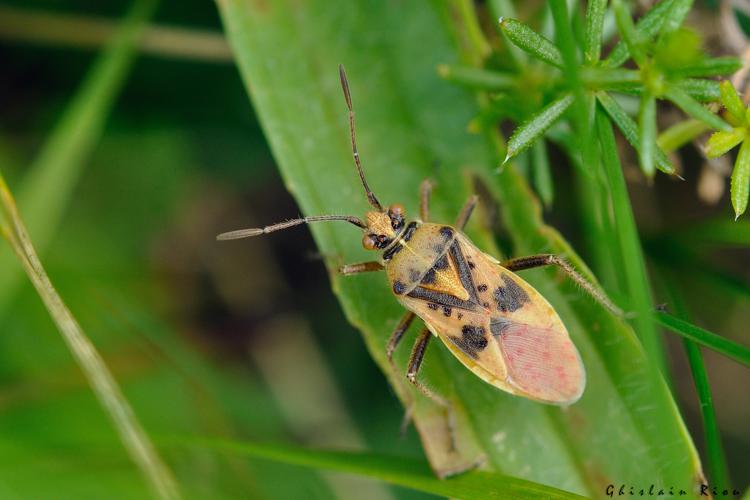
<point>433,306</point>
<point>439,298</point>
<point>413,275</point>
<point>447,311</point>
<point>472,340</point>
<point>482,288</point>
<point>510,297</point>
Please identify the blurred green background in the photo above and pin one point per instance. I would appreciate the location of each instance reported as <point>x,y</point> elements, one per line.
<point>243,341</point>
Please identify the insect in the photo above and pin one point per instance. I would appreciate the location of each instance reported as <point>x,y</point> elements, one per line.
<point>493,321</point>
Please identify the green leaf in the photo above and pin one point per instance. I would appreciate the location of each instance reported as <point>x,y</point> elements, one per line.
<point>678,11</point>
<point>697,334</point>
<point>594,23</point>
<point>740,185</point>
<point>721,142</point>
<point>647,119</point>
<point>531,42</point>
<point>626,425</point>
<point>629,34</point>
<point>680,134</point>
<point>698,89</point>
<point>696,109</point>
<point>630,130</point>
<point>399,471</point>
<point>647,26</point>
<point>49,184</point>
<point>732,102</point>
<point>525,135</point>
<point>715,66</point>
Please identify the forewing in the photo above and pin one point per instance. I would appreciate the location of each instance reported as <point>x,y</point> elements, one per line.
<point>541,363</point>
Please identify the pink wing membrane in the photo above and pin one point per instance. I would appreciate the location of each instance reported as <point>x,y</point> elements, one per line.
<point>542,363</point>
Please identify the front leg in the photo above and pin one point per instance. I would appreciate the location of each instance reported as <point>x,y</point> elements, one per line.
<point>532,261</point>
<point>362,267</point>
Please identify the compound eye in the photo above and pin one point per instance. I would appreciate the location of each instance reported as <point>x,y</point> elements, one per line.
<point>396,210</point>
<point>370,241</point>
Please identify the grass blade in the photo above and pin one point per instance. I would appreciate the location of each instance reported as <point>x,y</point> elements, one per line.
<point>717,466</point>
<point>740,185</point>
<point>634,265</point>
<point>104,385</point>
<point>49,184</point>
<point>594,24</point>
<point>630,130</point>
<point>695,109</point>
<point>531,42</point>
<point>708,339</point>
<point>399,471</point>
<point>525,135</point>
<point>541,173</point>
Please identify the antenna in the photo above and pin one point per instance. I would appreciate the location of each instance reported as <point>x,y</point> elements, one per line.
<point>345,87</point>
<point>257,231</point>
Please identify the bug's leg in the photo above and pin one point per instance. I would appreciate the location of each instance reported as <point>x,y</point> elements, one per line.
<point>425,190</point>
<point>466,211</point>
<point>393,341</point>
<point>362,267</point>
<point>415,362</point>
<point>532,261</point>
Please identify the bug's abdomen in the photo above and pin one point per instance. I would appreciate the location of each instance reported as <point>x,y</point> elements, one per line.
<point>416,253</point>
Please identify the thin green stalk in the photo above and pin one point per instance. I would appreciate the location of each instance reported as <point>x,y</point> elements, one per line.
<point>639,292</point>
<point>104,385</point>
<point>569,51</point>
<point>715,342</point>
<point>647,122</point>
<point>717,467</point>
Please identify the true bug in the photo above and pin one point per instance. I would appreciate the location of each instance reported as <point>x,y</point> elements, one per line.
<point>494,322</point>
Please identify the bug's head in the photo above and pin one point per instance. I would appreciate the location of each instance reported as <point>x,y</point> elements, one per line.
<point>383,227</point>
